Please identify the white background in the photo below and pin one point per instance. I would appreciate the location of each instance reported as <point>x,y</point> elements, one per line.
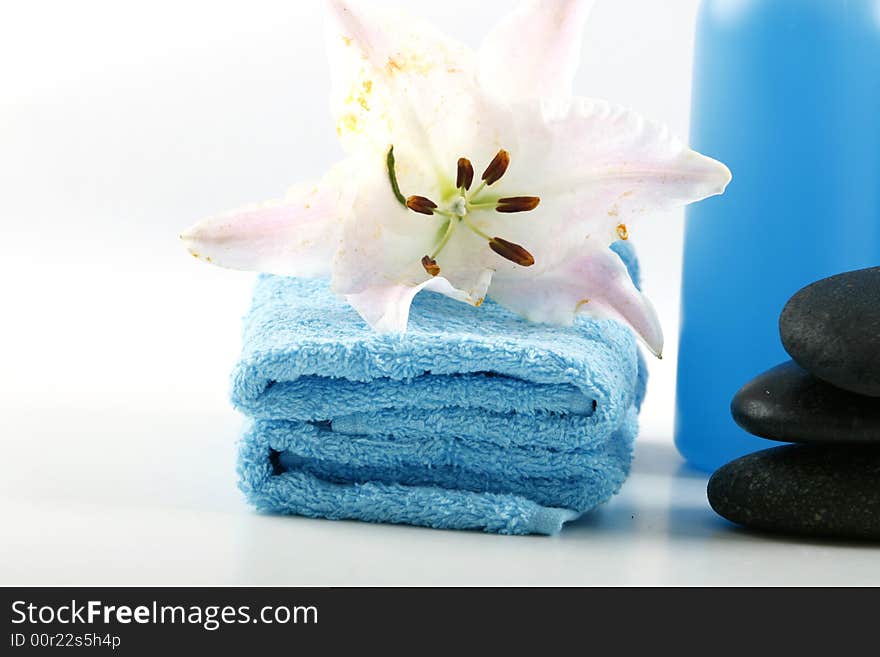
<point>122,123</point>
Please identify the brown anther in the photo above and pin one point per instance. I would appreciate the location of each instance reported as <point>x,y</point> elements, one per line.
<point>430,265</point>
<point>465,175</point>
<point>517,204</point>
<point>421,204</point>
<point>622,231</point>
<point>513,252</point>
<point>496,167</point>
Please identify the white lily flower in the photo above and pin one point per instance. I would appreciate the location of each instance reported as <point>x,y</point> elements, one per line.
<point>421,116</point>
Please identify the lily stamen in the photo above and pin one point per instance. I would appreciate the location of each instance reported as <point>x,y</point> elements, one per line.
<point>465,175</point>
<point>511,251</point>
<point>421,205</point>
<point>451,225</point>
<point>517,204</point>
<point>497,167</point>
<point>476,230</point>
<point>430,265</point>
<point>462,204</point>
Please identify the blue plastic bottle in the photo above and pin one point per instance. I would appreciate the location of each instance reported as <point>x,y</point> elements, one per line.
<point>787,94</point>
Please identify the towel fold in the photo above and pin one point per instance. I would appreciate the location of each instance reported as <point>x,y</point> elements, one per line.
<point>475,419</point>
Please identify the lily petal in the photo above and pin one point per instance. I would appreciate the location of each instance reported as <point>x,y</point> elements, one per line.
<point>397,81</point>
<point>296,236</point>
<point>386,307</point>
<point>534,52</point>
<point>597,166</point>
<point>593,281</point>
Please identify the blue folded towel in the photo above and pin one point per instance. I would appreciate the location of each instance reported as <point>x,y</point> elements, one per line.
<point>476,419</point>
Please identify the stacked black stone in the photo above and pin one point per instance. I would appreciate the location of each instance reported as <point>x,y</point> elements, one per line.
<point>827,401</point>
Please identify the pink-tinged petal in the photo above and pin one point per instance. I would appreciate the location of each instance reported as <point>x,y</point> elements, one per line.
<point>385,307</point>
<point>396,80</point>
<point>296,236</point>
<point>534,52</point>
<point>593,281</point>
<point>597,167</point>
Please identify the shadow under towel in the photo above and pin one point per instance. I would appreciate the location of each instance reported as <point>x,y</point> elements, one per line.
<point>475,419</point>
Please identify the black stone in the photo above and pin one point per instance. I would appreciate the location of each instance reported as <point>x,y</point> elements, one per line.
<point>803,489</point>
<point>832,329</point>
<point>789,404</point>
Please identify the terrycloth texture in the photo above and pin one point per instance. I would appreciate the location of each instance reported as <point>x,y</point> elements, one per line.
<point>476,419</point>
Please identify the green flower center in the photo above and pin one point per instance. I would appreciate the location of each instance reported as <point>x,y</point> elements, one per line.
<point>465,201</point>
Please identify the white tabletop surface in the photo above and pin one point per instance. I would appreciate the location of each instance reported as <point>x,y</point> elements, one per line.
<point>105,497</point>
<point>122,123</point>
